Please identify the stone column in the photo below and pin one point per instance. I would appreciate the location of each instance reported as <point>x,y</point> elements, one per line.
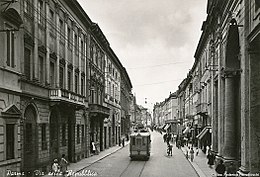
<point>230,133</point>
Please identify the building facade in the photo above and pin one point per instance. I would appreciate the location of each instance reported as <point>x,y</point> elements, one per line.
<point>52,85</point>
<point>112,99</point>
<point>125,100</point>
<point>221,90</point>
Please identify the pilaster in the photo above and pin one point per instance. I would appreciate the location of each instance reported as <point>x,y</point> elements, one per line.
<point>66,16</point>
<point>35,54</point>
<point>57,8</point>
<point>73,56</point>
<point>47,44</point>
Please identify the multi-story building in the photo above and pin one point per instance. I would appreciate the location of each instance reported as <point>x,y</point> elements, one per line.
<point>54,98</point>
<point>112,99</point>
<point>125,100</point>
<point>171,110</point>
<point>11,117</point>
<point>52,84</point>
<point>165,114</point>
<point>98,111</point>
<point>225,84</point>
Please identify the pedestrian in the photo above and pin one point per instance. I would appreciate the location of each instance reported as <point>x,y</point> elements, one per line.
<point>168,138</point>
<point>123,142</point>
<point>211,159</point>
<point>63,165</point>
<point>187,152</point>
<point>55,168</point>
<point>231,169</point>
<point>93,147</point>
<point>207,150</point>
<point>191,154</point>
<point>220,169</point>
<point>169,151</point>
<point>197,151</point>
<point>164,137</point>
<point>179,143</point>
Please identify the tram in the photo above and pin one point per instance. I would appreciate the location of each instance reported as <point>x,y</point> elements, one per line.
<point>140,144</point>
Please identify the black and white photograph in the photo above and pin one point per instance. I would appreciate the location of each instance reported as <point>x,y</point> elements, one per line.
<point>129,88</point>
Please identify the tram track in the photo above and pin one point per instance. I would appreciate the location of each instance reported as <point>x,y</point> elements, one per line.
<point>131,168</point>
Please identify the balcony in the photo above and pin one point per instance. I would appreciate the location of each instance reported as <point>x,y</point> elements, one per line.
<point>66,96</point>
<point>97,110</point>
<point>202,108</point>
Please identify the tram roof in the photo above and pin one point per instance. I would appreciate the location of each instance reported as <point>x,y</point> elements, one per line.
<point>141,133</point>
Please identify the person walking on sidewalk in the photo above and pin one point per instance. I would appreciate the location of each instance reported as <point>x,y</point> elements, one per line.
<point>123,142</point>
<point>220,169</point>
<point>211,159</point>
<point>187,152</point>
<point>63,165</point>
<point>55,168</point>
<point>197,151</point>
<point>191,154</point>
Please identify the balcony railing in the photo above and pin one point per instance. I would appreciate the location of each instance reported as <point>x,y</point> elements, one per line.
<point>65,95</point>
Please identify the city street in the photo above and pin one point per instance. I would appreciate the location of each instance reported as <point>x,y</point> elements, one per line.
<point>159,164</point>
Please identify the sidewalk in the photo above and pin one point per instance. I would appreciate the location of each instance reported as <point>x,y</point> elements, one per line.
<point>200,164</point>
<point>84,163</point>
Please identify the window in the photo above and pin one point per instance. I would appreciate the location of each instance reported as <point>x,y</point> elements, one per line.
<point>78,134</point>
<point>92,95</point>
<point>10,141</point>
<point>41,69</point>
<point>82,133</point>
<point>76,83</point>
<point>68,37</point>
<point>82,50</point>
<point>27,58</point>
<point>61,27</point>
<point>52,79</point>
<point>41,12</point>
<point>28,6</point>
<point>44,139</point>
<point>82,85</point>
<point>63,139</point>
<point>76,44</point>
<point>69,80</point>
<point>10,46</point>
<point>91,53</point>
<point>52,22</point>
<point>61,77</point>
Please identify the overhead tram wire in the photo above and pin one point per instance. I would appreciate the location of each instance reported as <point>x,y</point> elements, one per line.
<point>156,83</point>
<point>153,66</point>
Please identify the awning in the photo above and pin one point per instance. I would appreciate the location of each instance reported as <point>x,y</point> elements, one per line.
<point>163,126</point>
<point>203,132</point>
<point>167,126</point>
<point>186,130</point>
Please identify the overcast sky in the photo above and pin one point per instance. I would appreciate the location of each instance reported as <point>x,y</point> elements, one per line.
<point>155,40</point>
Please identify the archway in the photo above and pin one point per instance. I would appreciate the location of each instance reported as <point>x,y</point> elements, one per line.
<point>232,109</point>
<point>30,140</point>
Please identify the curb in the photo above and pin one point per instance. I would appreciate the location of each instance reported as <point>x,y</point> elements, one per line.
<point>106,155</point>
<point>199,172</point>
